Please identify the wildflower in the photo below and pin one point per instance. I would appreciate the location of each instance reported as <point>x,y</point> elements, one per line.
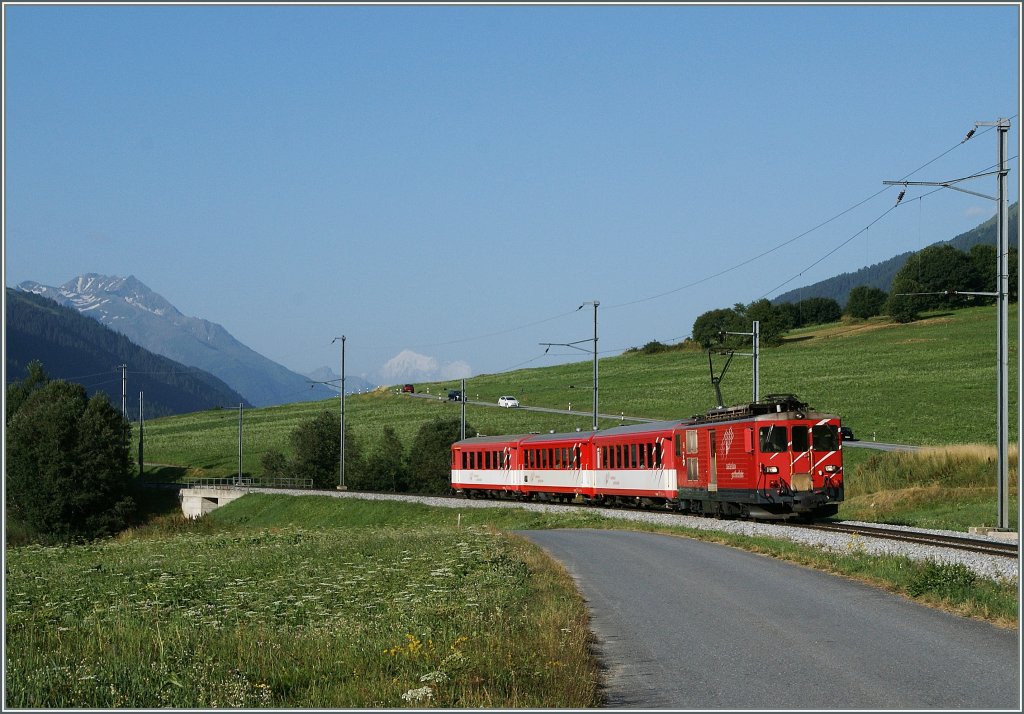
<point>418,695</point>
<point>435,677</point>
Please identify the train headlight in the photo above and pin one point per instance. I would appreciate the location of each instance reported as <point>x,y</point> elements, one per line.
<point>831,469</point>
<point>771,469</point>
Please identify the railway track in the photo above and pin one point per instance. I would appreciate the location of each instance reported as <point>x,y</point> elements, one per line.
<point>973,545</point>
<point>964,543</point>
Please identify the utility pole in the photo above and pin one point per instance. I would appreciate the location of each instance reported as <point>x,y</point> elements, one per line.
<point>341,451</point>
<point>240,443</point>
<point>549,345</point>
<point>596,303</point>
<point>755,335</point>
<point>462,398</point>
<point>124,389</point>
<point>141,431</point>
<point>1002,296</point>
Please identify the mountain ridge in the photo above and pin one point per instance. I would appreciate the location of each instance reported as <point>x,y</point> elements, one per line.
<point>880,275</point>
<point>73,347</point>
<point>131,308</point>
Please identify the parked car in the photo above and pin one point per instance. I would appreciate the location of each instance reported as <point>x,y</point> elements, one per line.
<point>454,395</point>
<point>847,433</point>
<point>409,388</point>
<point>508,402</point>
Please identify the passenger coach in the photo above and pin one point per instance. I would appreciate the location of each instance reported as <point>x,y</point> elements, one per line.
<point>775,458</point>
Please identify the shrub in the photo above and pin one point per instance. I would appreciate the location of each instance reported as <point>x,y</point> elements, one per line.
<point>69,466</point>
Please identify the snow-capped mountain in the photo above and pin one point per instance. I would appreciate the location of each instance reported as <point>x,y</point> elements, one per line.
<point>128,306</point>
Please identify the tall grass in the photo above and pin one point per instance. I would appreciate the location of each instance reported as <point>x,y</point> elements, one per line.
<point>949,487</point>
<point>362,613</point>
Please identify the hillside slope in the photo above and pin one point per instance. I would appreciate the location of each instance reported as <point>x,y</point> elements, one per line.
<point>927,382</point>
<point>130,307</point>
<point>880,275</point>
<point>78,349</point>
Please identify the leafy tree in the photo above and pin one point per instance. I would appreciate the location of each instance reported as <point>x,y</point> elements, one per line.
<point>707,327</point>
<point>903,305</point>
<point>274,465</point>
<point>865,301</point>
<point>385,465</point>
<point>316,442</point>
<point>430,456</point>
<point>818,311</point>
<point>773,321</point>
<point>983,264</point>
<point>69,466</point>
<point>18,392</point>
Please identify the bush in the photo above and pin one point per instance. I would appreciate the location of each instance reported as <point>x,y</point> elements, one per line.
<point>69,466</point>
<point>430,457</point>
<point>865,301</point>
<point>940,578</point>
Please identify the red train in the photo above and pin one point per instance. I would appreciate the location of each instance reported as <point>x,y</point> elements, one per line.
<point>771,459</point>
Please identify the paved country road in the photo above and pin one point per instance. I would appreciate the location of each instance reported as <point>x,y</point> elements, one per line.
<point>685,624</point>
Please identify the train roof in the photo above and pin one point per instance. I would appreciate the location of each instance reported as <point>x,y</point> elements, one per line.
<point>787,406</point>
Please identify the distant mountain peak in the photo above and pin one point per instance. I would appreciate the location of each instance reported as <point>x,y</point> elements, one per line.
<point>130,307</point>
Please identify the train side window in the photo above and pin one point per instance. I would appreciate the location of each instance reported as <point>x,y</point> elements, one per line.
<point>691,441</point>
<point>691,468</point>
<point>773,439</point>
<point>575,457</point>
<point>679,444</point>
<point>657,454</point>
<point>825,437</point>
<point>800,440</point>
<point>633,460</point>
<point>641,455</point>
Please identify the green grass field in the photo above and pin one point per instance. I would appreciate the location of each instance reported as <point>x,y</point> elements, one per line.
<point>276,601</point>
<point>317,602</point>
<point>930,382</point>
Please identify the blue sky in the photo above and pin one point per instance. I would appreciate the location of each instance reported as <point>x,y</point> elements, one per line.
<point>446,185</point>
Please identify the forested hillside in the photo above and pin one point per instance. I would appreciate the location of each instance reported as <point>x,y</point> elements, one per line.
<point>78,349</point>
<point>880,275</point>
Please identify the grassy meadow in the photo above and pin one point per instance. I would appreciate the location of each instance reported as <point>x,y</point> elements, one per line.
<point>312,602</point>
<point>931,382</point>
<point>318,602</point>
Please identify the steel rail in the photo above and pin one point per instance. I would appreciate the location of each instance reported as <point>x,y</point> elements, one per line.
<point>973,545</point>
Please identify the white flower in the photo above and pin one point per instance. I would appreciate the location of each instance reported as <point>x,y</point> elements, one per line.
<point>418,695</point>
<point>437,677</point>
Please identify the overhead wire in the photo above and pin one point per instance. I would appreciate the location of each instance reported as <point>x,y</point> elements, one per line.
<point>720,273</point>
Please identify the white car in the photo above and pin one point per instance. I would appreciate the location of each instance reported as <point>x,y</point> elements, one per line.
<point>508,402</point>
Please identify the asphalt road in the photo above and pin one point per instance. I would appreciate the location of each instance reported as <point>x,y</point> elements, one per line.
<point>685,624</point>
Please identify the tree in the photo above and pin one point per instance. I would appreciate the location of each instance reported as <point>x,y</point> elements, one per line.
<point>385,465</point>
<point>865,301</point>
<point>707,327</point>
<point>773,321</point>
<point>18,392</point>
<point>430,456</point>
<point>275,465</point>
<point>69,466</point>
<point>316,442</point>
<point>903,305</point>
<point>818,311</point>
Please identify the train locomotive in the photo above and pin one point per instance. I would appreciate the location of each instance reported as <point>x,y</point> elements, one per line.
<point>776,458</point>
